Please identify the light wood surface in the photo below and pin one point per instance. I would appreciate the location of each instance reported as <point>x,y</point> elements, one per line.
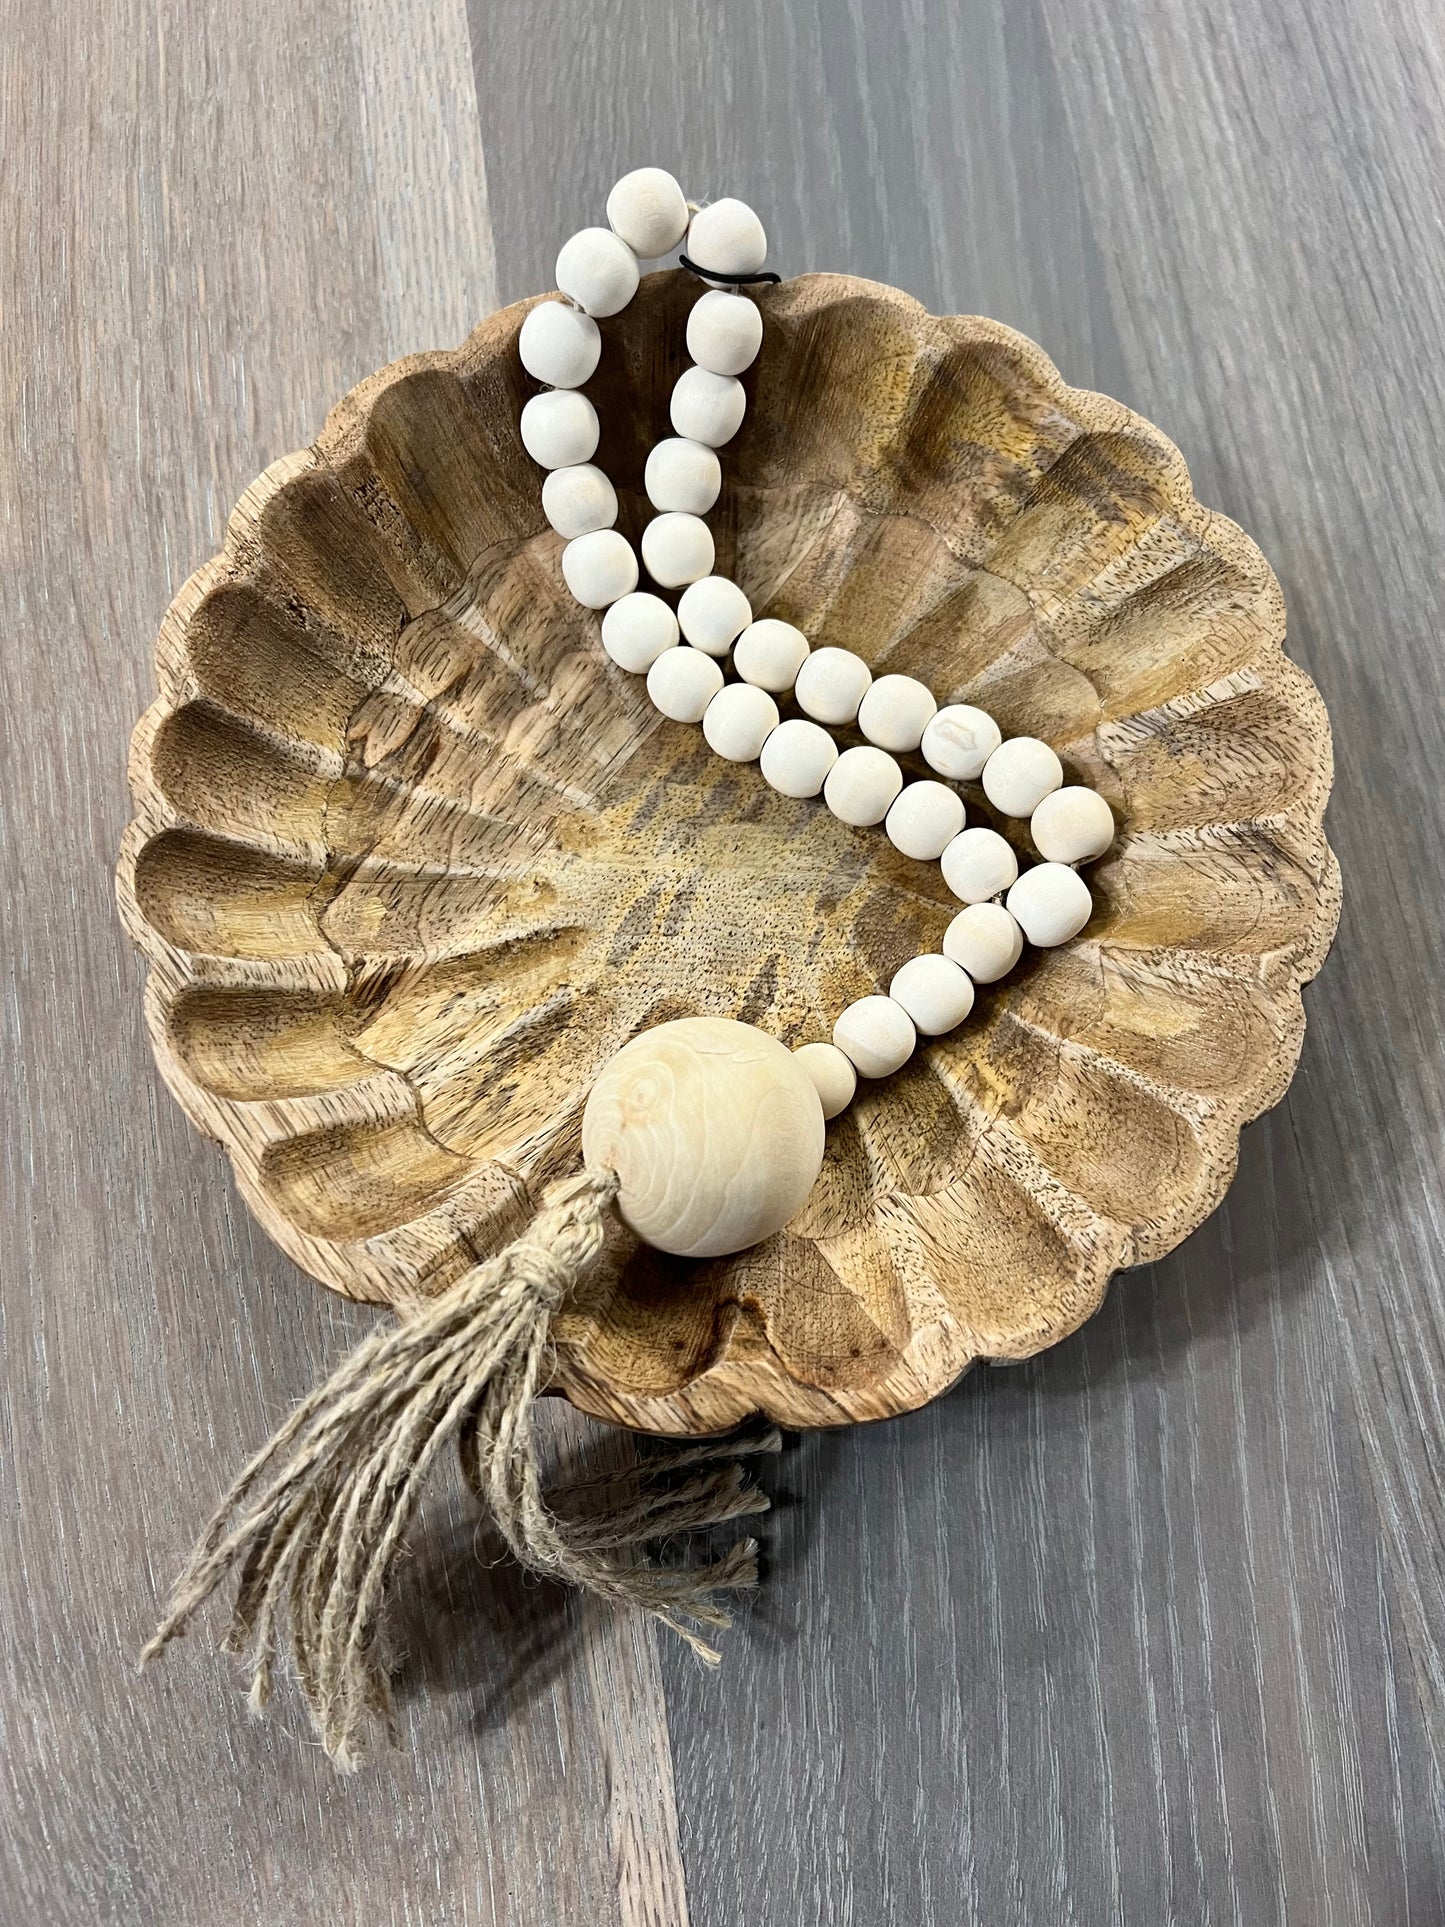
<point>1152,1629</point>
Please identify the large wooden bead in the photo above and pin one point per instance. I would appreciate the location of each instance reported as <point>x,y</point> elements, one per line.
<point>797,756</point>
<point>876,1035</point>
<point>738,721</point>
<point>861,786</point>
<point>682,475</point>
<point>713,613</point>
<point>599,568</point>
<point>985,940</point>
<point>1020,774</point>
<point>559,346</point>
<point>677,548</point>
<point>833,1075</point>
<point>706,407</point>
<point>724,332</point>
<point>978,864</point>
<point>770,653</point>
<point>682,682</point>
<point>1073,825</point>
<point>924,820</point>
<point>715,1132</point>
<point>578,500</point>
<point>560,429</point>
<point>895,712</point>
<point>727,238</point>
<point>636,630</point>
<point>648,210</point>
<point>598,270</point>
<point>831,684</point>
<point>935,992</point>
<point>1052,903</point>
<point>959,741</point>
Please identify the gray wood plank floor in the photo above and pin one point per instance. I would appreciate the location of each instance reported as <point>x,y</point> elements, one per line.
<point>1152,1629</point>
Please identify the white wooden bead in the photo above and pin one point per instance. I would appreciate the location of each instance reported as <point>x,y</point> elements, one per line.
<point>985,940</point>
<point>797,756</point>
<point>1020,774</point>
<point>598,271</point>
<point>895,712</point>
<point>1073,825</point>
<point>960,740</point>
<point>682,475</point>
<point>578,500</point>
<point>677,548</point>
<point>770,653</point>
<point>876,1035</point>
<point>833,1075</point>
<point>924,820</point>
<point>636,630</point>
<point>648,210</point>
<point>936,994</point>
<point>727,238</point>
<point>715,1131</point>
<point>707,407</point>
<point>559,346</point>
<point>599,568</point>
<point>861,785</point>
<point>978,864</point>
<point>682,682</point>
<point>831,684</point>
<point>713,613</point>
<point>1052,903</point>
<point>739,720</point>
<point>560,429</point>
<point>724,332</point>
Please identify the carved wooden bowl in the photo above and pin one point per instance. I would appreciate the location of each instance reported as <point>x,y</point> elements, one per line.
<point>411,858</point>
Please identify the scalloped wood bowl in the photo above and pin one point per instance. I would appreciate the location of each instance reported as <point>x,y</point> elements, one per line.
<point>411,858</point>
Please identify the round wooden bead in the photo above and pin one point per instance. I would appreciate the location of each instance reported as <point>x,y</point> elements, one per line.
<point>936,994</point>
<point>797,756</point>
<point>833,1075</point>
<point>739,720</point>
<point>1020,774</point>
<point>727,238</point>
<point>559,346</point>
<point>677,548</point>
<point>560,429</point>
<point>682,682</point>
<point>578,500</point>
<point>682,475</point>
<point>895,712</point>
<point>876,1036</point>
<point>713,613</point>
<point>715,1131</point>
<point>648,210</point>
<point>831,684</point>
<point>599,271</point>
<point>770,653</point>
<point>724,332</point>
<point>636,630</point>
<point>924,820</point>
<point>599,568</point>
<point>1073,825</point>
<point>861,785</point>
<point>707,407</point>
<point>959,741</point>
<point>1052,904</point>
<point>985,940</point>
<point>978,864</point>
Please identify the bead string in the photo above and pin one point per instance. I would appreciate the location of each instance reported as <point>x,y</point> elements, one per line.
<point>560,345</point>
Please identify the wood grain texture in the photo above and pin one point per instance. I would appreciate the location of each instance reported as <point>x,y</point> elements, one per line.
<point>225,217</point>
<point>412,858</point>
<point>1149,1629</point>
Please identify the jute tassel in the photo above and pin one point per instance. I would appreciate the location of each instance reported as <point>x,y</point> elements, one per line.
<point>316,1519</point>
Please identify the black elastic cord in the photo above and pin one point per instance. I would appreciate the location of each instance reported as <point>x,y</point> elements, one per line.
<point>732,280</point>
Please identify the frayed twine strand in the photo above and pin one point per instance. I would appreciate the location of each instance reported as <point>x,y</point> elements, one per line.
<point>315,1521</point>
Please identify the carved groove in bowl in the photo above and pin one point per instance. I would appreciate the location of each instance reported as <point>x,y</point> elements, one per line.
<point>411,858</point>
